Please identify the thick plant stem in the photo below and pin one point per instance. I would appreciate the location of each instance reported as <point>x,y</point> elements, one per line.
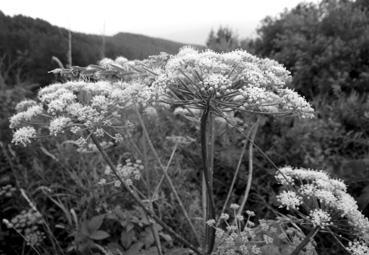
<point>251,167</point>
<point>306,240</point>
<point>169,180</point>
<point>138,200</point>
<point>207,172</point>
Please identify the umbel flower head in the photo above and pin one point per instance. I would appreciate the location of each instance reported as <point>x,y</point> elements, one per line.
<point>323,202</point>
<point>77,106</point>
<point>229,81</point>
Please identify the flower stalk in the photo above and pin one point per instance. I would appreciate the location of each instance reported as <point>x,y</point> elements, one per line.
<point>306,240</point>
<point>138,200</point>
<point>165,173</point>
<point>206,147</point>
<point>251,167</point>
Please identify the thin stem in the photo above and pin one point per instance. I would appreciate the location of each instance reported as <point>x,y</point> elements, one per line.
<point>249,178</point>
<point>155,233</point>
<point>169,180</point>
<point>258,149</point>
<point>139,202</point>
<point>306,240</point>
<point>234,178</point>
<point>335,237</point>
<point>156,191</point>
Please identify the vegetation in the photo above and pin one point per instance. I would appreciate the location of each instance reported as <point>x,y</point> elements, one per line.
<point>61,195</point>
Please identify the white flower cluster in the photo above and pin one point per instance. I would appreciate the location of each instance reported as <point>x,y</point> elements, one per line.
<point>289,199</point>
<point>7,190</point>
<point>230,81</point>
<point>26,115</point>
<point>234,80</point>
<point>24,135</point>
<point>242,236</point>
<point>358,248</point>
<point>78,106</point>
<point>128,172</point>
<point>326,198</point>
<point>236,239</point>
<point>320,218</point>
<point>27,223</point>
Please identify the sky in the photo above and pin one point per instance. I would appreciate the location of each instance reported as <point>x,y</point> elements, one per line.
<point>188,21</point>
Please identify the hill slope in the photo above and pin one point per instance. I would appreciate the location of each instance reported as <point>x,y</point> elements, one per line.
<point>27,46</point>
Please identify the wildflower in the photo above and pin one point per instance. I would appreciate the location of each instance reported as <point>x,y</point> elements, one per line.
<point>24,135</point>
<point>24,105</point>
<point>128,172</point>
<point>27,223</point>
<point>250,213</point>
<point>58,124</point>
<point>239,217</point>
<point>106,62</point>
<point>234,206</point>
<point>335,205</point>
<point>211,222</point>
<point>25,116</point>
<point>289,199</point>
<point>229,81</point>
<point>224,216</point>
<point>358,248</point>
<point>7,190</point>
<point>320,218</point>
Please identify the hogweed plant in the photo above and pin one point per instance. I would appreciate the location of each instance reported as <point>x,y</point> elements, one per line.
<point>105,103</point>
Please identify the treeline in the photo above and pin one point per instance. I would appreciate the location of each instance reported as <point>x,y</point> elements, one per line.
<point>27,46</point>
<point>325,46</point>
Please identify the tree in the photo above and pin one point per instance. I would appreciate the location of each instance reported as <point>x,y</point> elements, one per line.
<point>223,41</point>
<point>326,46</point>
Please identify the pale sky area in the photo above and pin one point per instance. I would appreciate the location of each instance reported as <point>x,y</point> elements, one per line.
<point>188,21</point>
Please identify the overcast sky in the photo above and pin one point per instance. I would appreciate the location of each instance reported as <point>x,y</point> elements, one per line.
<point>186,21</point>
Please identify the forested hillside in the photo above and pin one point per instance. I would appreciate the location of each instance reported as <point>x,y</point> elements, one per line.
<point>27,46</point>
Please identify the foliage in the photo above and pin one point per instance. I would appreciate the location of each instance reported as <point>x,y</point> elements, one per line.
<point>324,45</point>
<point>223,40</point>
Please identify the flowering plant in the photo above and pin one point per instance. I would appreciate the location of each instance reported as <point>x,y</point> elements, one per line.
<point>105,103</point>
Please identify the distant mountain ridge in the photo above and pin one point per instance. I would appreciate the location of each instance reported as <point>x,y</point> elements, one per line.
<point>27,46</point>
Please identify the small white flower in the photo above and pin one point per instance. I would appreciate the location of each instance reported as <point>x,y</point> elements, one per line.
<point>320,218</point>
<point>234,206</point>
<point>289,199</point>
<point>24,135</point>
<point>58,124</point>
<point>211,222</point>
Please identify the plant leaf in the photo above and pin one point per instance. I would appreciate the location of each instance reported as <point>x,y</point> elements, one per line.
<point>95,223</point>
<point>99,235</point>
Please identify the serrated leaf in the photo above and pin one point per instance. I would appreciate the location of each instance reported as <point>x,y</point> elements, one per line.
<point>99,235</point>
